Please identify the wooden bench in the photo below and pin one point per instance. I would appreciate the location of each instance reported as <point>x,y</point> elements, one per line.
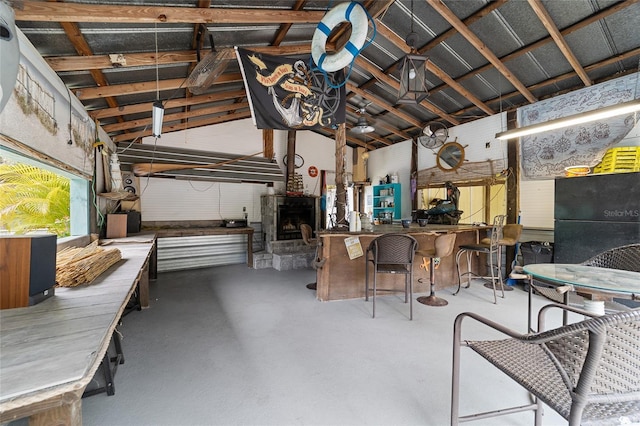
<point>49,352</point>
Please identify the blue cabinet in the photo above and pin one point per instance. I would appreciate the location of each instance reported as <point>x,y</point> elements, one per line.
<point>386,202</point>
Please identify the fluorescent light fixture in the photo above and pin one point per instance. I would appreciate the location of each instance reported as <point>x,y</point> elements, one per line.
<point>572,120</point>
<point>157,114</point>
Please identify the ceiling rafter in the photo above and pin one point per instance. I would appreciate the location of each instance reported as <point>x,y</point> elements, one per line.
<point>551,27</point>
<point>144,87</point>
<point>475,41</point>
<point>571,74</point>
<point>380,76</point>
<point>191,124</point>
<point>81,63</point>
<point>432,67</point>
<point>99,114</point>
<point>168,118</point>
<point>36,11</point>
<point>284,28</point>
<point>539,43</point>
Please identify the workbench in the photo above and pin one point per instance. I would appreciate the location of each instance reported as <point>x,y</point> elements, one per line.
<point>49,352</point>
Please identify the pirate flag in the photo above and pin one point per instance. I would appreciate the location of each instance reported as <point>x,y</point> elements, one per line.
<point>288,94</point>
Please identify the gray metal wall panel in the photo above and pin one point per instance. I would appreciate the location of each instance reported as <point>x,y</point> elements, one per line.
<point>178,253</point>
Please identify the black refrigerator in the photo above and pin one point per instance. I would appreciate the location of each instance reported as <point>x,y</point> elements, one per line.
<point>595,213</point>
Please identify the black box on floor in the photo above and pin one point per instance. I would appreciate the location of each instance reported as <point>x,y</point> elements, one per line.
<point>536,252</point>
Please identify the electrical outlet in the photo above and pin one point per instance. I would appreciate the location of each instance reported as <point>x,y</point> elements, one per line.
<point>487,145</point>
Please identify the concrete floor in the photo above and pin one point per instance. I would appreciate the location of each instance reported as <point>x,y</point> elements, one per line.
<point>236,346</point>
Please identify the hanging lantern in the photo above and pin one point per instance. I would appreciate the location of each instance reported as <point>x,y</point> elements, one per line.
<point>413,72</point>
<point>413,79</point>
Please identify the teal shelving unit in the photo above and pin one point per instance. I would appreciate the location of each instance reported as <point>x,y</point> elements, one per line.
<point>386,202</point>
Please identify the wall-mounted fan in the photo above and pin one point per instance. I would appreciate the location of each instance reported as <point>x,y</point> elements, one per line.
<point>434,135</point>
<point>209,68</point>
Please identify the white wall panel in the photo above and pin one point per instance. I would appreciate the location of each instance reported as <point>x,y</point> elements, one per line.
<point>395,159</point>
<point>316,150</point>
<point>172,200</point>
<point>537,203</point>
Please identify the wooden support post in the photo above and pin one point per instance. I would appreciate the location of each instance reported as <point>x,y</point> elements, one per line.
<point>267,143</point>
<point>69,413</point>
<point>512,184</point>
<point>341,190</point>
<point>413,176</point>
<point>291,158</point>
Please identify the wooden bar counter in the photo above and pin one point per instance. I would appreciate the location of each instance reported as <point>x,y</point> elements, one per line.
<point>343,278</point>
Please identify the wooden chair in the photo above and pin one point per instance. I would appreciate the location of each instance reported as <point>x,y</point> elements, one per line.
<point>586,372</point>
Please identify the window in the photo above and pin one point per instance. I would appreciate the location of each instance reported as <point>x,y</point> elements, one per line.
<point>479,203</point>
<point>66,213</point>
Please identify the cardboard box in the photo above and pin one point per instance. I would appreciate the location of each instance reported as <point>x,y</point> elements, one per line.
<point>116,225</point>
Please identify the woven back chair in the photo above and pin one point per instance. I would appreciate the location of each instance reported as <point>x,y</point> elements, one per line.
<point>391,254</point>
<point>586,372</point>
<point>624,257</point>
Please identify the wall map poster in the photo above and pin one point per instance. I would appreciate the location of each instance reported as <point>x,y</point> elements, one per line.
<point>545,155</point>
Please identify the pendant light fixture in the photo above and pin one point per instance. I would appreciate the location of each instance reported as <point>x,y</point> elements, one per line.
<point>362,125</point>
<point>157,113</point>
<point>413,68</point>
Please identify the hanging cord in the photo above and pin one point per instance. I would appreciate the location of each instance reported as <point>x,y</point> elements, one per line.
<point>157,66</point>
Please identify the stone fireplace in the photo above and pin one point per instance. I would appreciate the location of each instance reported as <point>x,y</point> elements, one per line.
<point>281,220</point>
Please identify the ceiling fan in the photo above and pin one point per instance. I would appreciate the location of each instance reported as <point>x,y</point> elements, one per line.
<point>209,68</point>
<point>434,135</point>
<point>363,126</point>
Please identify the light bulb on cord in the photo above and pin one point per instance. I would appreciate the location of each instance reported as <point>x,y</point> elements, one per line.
<point>412,74</point>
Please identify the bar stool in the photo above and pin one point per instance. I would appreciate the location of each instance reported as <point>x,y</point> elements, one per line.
<point>510,236</point>
<point>443,247</point>
<point>492,250</point>
<point>307,237</point>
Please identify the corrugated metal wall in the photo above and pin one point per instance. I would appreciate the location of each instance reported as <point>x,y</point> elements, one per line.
<point>178,253</point>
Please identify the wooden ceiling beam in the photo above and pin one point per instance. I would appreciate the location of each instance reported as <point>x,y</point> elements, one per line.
<point>284,28</point>
<point>73,12</point>
<point>183,126</point>
<point>384,105</point>
<point>433,68</point>
<point>148,59</point>
<point>618,7</point>
<point>380,76</point>
<point>145,87</point>
<point>132,124</point>
<point>380,123</point>
<point>609,61</point>
<point>548,23</point>
<point>475,41</point>
<point>486,10</point>
<point>100,114</point>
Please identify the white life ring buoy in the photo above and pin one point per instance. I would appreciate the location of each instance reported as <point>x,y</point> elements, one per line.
<point>352,12</point>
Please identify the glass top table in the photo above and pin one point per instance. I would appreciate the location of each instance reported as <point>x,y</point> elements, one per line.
<point>600,283</point>
<point>587,277</point>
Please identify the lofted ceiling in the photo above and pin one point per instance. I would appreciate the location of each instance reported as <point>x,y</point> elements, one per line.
<point>484,56</point>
